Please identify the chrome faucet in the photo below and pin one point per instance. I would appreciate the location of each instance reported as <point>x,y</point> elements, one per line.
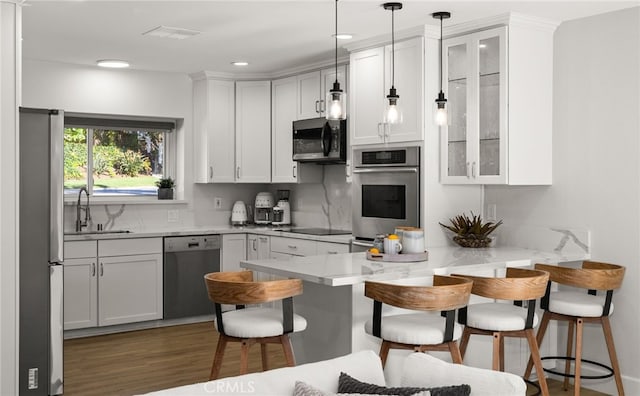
<point>79,209</point>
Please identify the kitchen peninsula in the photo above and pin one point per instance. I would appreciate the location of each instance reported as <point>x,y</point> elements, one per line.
<point>333,299</point>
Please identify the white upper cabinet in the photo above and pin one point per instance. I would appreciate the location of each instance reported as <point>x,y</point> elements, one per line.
<point>312,90</point>
<point>370,81</point>
<point>498,83</point>
<point>214,131</point>
<point>284,100</point>
<point>253,132</point>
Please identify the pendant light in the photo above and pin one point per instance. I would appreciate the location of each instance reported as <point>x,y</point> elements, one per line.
<point>392,113</point>
<point>441,101</point>
<point>336,99</point>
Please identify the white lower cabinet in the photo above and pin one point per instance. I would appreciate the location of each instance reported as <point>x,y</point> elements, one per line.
<point>118,281</point>
<point>282,247</point>
<point>234,250</point>
<point>80,292</point>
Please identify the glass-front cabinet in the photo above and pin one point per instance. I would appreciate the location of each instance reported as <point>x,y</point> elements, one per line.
<point>475,74</point>
<point>499,86</point>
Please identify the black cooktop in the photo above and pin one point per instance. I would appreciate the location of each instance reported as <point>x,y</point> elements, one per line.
<point>319,231</point>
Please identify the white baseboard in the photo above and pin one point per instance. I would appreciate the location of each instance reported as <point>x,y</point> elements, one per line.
<point>151,324</point>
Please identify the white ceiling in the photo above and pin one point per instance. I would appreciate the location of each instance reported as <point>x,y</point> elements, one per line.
<point>271,35</point>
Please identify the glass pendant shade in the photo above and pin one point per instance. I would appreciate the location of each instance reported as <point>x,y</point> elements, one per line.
<point>392,112</point>
<point>441,110</point>
<point>336,103</point>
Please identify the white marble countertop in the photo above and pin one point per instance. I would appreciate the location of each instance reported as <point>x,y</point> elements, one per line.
<point>352,268</point>
<point>205,230</point>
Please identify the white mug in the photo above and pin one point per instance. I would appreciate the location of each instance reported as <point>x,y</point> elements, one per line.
<point>413,241</point>
<point>392,245</point>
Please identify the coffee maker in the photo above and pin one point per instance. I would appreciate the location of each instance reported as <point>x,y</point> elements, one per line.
<point>263,208</point>
<point>282,210</point>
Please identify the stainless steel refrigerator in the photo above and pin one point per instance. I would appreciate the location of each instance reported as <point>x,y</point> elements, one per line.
<point>41,251</point>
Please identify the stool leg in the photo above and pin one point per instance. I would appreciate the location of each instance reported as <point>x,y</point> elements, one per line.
<point>466,333</point>
<point>501,353</point>
<point>535,355</point>
<point>497,340</point>
<point>265,359</point>
<point>576,381</point>
<point>608,336</point>
<point>217,358</point>
<point>456,357</point>
<point>567,364</point>
<point>384,352</point>
<point>541,330</point>
<point>244,356</point>
<point>288,350</point>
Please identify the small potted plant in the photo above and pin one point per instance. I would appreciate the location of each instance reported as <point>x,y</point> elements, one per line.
<point>471,232</point>
<point>165,188</point>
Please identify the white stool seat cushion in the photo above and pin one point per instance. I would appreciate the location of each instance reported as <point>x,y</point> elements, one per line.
<point>258,322</point>
<point>422,328</point>
<point>498,317</point>
<point>575,303</point>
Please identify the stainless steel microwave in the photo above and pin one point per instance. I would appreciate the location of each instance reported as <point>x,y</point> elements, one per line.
<point>320,140</point>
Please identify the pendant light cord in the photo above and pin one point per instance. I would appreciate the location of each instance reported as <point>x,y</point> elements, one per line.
<point>393,51</point>
<point>441,53</point>
<point>336,37</point>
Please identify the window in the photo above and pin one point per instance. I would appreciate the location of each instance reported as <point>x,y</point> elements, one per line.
<point>116,157</point>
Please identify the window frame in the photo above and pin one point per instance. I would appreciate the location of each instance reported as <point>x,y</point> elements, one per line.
<point>90,122</point>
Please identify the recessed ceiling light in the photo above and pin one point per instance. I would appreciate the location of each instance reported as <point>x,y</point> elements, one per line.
<point>343,36</point>
<point>171,32</point>
<point>240,63</point>
<point>113,63</point>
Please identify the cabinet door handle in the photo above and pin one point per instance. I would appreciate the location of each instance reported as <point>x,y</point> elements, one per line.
<point>386,129</point>
<point>263,239</point>
<point>332,252</point>
<point>295,171</point>
<point>93,269</point>
<point>101,269</point>
<point>292,247</point>
<point>238,172</point>
<point>211,172</point>
<point>318,106</point>
<point>379,134</point>
<point>468,170</point>
<point>322,108</point>
<point>254,244</point>
<point>473,169</point>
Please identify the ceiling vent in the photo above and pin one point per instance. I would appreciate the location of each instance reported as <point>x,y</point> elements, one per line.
<point>171,32</point>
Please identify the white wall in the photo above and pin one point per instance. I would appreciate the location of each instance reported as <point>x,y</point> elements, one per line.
<point>596,167</point>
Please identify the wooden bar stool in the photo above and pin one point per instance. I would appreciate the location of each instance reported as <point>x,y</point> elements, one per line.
<point>253,325</point>
<point>500,319</point>
<point>420,331</point>
<point>579,307</point>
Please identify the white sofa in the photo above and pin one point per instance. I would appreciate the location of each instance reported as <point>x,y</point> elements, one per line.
<point>418,369</point>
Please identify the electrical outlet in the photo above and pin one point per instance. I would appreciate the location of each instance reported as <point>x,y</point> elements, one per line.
<point>217,203</point>
<point>33,378</point>
<point>491,212</point>
<point>172,216</point>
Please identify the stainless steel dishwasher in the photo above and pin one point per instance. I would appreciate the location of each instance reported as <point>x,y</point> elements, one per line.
<point>186,260</point>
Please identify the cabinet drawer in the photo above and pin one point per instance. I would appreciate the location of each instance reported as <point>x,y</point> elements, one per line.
<point>80,249</point>
<point>332,248</point>
<point>298,247</point>
<point>123,247</point>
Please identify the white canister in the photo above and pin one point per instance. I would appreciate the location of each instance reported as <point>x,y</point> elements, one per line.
<point>392,244</point>
<point>413,241</point>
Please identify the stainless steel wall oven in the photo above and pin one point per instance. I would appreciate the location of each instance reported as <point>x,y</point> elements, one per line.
<point>386,192</point>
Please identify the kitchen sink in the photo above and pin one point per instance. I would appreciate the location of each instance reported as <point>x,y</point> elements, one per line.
<point>97,232</point>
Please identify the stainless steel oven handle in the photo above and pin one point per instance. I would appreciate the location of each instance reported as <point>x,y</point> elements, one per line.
<point>386,170</point>
<point>363,244</point>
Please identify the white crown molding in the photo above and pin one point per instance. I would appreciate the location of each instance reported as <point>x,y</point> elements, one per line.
<point>510,18</point>
<point>384,39</point>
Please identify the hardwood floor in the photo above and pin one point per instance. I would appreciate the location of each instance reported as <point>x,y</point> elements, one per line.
<point>147,360</point>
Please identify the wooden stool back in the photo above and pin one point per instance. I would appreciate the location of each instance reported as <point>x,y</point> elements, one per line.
<point>518,284</point>
<point>593,275</point>
<point>239,288</point>
<point>447,293</point>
